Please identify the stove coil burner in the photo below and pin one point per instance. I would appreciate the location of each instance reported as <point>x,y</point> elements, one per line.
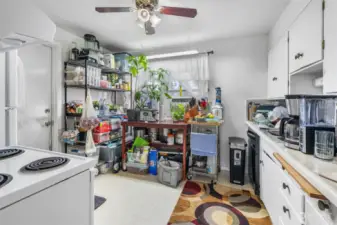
<point>46,164</point>
<point>5,179</point>
<point>7,153</point>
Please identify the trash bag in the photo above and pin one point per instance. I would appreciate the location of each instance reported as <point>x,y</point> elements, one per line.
<point>90,146</point>
<point>89,118</point>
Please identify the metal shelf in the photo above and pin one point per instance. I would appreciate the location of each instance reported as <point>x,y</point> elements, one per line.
<point>105,69</point>
<point>95,88</point>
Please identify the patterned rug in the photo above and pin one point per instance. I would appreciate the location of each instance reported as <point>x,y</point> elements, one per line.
<point>207,204</point>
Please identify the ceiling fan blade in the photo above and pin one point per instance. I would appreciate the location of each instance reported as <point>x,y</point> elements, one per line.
<point>149,30</point>
<point>175,11</point>
<point>113,9</point>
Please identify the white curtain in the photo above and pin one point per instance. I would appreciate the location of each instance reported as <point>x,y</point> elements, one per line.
<point>191,72</point>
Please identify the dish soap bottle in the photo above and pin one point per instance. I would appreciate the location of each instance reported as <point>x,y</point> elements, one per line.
<point>217,109</point>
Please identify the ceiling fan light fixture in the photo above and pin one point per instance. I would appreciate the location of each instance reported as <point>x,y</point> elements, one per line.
<point>155,20</point>
<point>144,15</point>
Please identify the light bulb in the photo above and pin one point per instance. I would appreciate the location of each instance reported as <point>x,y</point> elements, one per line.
<point>155,20</point>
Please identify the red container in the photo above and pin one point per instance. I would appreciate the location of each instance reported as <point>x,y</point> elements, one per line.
<point>103,127</point>
<point>101,137</point>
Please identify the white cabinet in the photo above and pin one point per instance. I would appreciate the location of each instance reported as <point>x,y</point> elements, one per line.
<point>271,173</point>
<point>306,37</point>
<point>330,52</point>
<point>278,69</point>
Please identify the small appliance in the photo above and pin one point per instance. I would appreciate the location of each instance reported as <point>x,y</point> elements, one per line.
<point>148,115</point>
<point>317,115</point>
<point>325,144</point>
<point>133,114</point>
<point>307,138</point>
<point>291,127</point>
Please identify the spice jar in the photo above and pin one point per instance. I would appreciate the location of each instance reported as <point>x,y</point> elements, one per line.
<point>170,139</point>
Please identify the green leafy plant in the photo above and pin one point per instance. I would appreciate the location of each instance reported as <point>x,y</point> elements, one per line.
<point>158,85</point>
<point>137,64</point>
<point>139,99</point>
<point>178,112</point>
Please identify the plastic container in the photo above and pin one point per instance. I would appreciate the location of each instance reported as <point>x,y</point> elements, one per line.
<point>121,61</point>
<point>101,137</point>
<point>153,159</point>
<point>179,138</point>
<point>103,127</point>
<point>80,151</point>
<point>110,152</point>
<point>104,84</point>
<point>169,173</point>
<point>115,123</point>
<point>170,139</point>
<point>137,168</point>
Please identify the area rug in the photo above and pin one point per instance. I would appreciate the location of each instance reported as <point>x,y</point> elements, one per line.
<point>208,204</point>
<point>99,201</point>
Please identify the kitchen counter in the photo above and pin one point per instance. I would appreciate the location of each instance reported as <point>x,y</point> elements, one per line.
<point>306,165</point>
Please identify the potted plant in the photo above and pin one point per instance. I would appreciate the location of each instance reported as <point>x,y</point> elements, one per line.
<point>178,112</point>
<point>136,65</point>
<point>157,86</point>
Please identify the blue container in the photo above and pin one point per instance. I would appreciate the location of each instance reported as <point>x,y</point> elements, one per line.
<point>153,160</point>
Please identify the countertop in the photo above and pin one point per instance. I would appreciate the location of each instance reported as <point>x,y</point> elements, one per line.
<point>307,165</point>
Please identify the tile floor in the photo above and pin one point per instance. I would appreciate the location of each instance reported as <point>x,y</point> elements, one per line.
<point>135,199</point>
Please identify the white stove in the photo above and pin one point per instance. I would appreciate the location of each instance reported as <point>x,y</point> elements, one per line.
<point>38,186</point>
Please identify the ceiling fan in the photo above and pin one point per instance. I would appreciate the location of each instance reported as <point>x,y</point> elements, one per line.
<point>147,13</point>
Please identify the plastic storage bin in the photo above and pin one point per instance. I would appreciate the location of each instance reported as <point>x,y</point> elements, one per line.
<point>169,173</point>
<point>121,61</point>
<point>137,168</point>
<point>110,152</point>
<point>103,127</point>
<point>80,151</point>
<point>101,137</point>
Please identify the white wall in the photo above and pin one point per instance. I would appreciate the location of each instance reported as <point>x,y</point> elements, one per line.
<point>286,20</point>
<point>239,66</point>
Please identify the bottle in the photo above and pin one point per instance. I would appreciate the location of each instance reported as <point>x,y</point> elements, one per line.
<point>73,52</point>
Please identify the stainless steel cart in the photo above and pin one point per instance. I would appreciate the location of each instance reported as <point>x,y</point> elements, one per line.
<point>205,129</point>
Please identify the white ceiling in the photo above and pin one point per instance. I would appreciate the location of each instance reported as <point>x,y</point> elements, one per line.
<point>216,19</point>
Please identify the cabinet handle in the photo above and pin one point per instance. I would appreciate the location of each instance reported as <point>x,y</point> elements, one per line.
<point>300,55</point>
<point>296,56</point>
<point>285,186</point>
<point>323,206</point>
<point>274,78</point>
<point>285,209</point>
<point>261,162</point>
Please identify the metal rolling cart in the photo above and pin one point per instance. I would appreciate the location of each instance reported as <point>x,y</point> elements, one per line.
<point>205,150</point>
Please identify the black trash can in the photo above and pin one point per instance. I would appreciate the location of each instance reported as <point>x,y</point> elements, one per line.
<point>237,148</point>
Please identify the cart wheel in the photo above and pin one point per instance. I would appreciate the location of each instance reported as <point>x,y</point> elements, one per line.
<point>116,167</point>
<point>213,182</point>
<point>189,176</point>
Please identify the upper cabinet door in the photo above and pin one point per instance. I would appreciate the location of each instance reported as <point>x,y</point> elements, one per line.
<point>306,37</point>
<point>330,52</point>
<point>278,69</point>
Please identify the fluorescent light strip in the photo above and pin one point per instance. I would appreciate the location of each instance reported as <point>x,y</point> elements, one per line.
<point>174,54</point>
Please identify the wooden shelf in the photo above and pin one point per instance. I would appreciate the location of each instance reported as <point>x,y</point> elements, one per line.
<point>95,88</point>
<point>302,182</point>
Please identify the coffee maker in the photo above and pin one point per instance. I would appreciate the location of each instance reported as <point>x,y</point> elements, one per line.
<point>317,114</point>
<point>292,125</point>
